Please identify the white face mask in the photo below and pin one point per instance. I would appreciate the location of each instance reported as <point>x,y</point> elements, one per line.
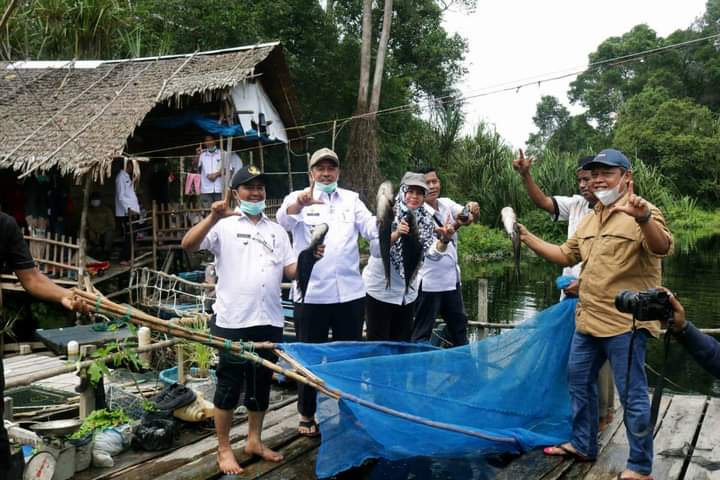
<point>609,196</point>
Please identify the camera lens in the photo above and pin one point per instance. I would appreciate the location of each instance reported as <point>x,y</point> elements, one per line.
<point>626,301</point>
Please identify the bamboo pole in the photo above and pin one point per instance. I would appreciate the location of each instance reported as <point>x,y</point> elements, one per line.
<point>73,367</point>
<point>83,227</point>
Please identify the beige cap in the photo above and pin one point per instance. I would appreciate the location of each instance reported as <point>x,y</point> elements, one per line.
<point>323,154</point>
<point>415,180</point>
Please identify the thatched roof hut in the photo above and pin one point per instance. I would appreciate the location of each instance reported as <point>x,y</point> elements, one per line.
<point>79,116</point>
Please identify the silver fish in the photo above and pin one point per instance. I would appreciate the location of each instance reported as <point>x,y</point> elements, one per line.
<point>306,259</point>
<point>509,221</point>
<point>385,215</point>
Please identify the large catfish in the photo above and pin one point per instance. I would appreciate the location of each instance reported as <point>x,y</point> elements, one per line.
<point>509,221</point>
<point>306,259</point>
<point>385,216</point>
<point>412,250</point>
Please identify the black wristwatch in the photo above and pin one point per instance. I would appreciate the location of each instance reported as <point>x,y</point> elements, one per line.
<point>644,219</point>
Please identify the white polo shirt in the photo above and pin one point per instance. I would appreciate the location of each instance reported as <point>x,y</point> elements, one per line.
<point>571,210</point>
<point>249,260</point>
<point>210,162</point>
<point>125,197</point>
<point>335,277</point>
<point>442,273</point>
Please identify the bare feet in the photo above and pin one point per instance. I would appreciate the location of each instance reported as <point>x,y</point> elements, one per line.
<point>603,424</point>
<point>227,463</point>
<point>561,450</point>
<point>264,452</point>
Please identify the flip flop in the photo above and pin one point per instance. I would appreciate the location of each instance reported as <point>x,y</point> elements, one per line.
<point>310,425</point>
<point>567,453</point>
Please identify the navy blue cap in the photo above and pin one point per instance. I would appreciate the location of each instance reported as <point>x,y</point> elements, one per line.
<point>582,161</point>
<point>244,175</point>
<point>609,157</point>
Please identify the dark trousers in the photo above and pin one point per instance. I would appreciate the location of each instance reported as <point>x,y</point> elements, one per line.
<point>387,321</point>
<point>313,322</point>
<point>125,229</point>
<point>450,306</point>
<point>235,375</point>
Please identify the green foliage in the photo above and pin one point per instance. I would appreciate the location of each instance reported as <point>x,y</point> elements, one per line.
<point>679,136</point>
<point>122,355</point>
<point>100,420</point>
<point>481,242</point>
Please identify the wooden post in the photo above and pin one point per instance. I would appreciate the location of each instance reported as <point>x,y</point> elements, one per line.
<point>87,397</point>
<point>83,228</point>
<point>8,409</point>
<point>182,180</point>
<point>482,307</point>
<point>132,238</point>
<point>143,334</point>
<point>180,353</point>
<point>289,164</point>
<point>25,349</point>
<point>226,165</point>
<point>154,221</point>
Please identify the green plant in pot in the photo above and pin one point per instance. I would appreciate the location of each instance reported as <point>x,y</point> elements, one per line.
<point>200,356</point>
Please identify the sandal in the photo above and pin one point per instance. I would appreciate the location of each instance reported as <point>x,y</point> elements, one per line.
<point>620,477</point>
<point>310,425</point>
<point>567,453</point>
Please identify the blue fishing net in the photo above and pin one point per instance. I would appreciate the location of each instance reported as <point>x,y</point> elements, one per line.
<point>507,393</point>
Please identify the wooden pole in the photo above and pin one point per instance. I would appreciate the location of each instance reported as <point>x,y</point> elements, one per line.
<point>180,354</point>
<point>482,307</point>
<point>82,237</point>
<point>154,220</point>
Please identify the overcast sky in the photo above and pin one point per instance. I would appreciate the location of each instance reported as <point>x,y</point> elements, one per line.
<point>511,40</point>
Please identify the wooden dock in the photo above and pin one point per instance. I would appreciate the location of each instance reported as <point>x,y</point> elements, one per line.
<point>687,446</point>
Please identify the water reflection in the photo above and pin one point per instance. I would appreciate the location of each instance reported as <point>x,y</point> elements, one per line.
<point>693,276</point>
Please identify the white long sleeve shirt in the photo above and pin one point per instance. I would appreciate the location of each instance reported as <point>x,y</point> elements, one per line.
<point>249,260</point>
<point>125,197</point>
<point>443,274</point>
<point>335,277</point>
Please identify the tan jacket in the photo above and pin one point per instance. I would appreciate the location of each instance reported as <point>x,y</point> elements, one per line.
<point>615,257</point>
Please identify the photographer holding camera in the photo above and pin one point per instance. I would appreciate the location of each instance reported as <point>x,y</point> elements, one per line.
<point>703,348</point>
<point>621,244</point>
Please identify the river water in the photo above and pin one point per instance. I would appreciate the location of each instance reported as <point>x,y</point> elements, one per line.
<point>694,276</point>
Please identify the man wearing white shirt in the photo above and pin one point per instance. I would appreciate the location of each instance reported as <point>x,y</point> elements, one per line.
<point>440,290</point>
<point>126,203</point>
<point>572,210</point>
<point>251,255</point>
<point>335,297</point>
<point>209,163</point>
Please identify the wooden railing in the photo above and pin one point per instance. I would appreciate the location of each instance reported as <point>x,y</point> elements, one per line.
<point>57,256</point>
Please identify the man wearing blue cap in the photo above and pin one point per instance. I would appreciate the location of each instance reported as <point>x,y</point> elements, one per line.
<point>252,253</point>
<point>571,210</point>
<point>621,244</point>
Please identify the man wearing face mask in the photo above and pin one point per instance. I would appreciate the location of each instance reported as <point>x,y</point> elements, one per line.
<point>209,163</point>
<point>252,254</point>
<point>335,294</point>
<point>621,244</point>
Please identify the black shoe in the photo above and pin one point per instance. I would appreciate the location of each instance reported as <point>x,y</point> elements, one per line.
<point>175,396</point>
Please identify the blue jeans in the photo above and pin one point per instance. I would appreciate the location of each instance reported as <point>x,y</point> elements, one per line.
<point>587,355</point>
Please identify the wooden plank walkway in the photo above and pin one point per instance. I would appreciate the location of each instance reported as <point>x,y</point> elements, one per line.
<point>18,366</point>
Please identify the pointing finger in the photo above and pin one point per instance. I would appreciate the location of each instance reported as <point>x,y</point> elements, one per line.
<point>631,188</point>
<point>521,155</point>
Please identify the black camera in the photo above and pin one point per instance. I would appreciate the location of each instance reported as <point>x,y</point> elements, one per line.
<point>652,304</point>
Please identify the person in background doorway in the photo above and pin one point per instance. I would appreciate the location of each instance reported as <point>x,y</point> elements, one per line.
<point>126,205</point>
<point>209,165</point>
<point>100,228</point>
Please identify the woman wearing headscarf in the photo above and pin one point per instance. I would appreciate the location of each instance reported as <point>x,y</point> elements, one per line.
<point>389,308</point>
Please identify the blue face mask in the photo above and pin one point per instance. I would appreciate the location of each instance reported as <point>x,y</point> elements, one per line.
<point>252,208</point>
<point>327,188</point>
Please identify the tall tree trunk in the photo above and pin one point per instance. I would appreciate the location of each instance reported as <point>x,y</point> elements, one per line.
<point>362,172</point>
<point>380,60</point>
<point>365,49</point>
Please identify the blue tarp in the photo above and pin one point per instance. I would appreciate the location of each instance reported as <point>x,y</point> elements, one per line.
<point>509,393</point>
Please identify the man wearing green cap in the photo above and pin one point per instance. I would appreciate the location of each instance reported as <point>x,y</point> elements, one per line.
<point>335,296</point>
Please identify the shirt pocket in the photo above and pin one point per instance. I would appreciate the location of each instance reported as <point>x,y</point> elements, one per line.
<point>616,248</point>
